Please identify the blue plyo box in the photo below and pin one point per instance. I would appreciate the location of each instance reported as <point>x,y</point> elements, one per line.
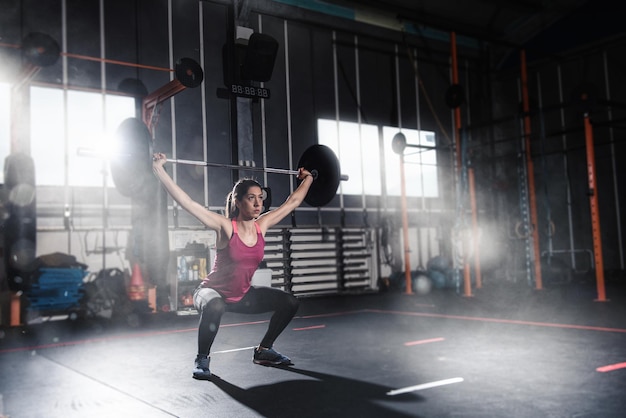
<point>56,289</point>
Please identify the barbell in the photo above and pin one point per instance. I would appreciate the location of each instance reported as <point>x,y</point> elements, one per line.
<point>398,144</point>
<point>133,164</point>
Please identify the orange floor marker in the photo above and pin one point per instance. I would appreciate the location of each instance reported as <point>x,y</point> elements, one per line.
<point>16,307</point>
<point>136,287</point>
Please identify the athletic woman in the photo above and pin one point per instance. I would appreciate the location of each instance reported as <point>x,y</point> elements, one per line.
<point>240,246</point>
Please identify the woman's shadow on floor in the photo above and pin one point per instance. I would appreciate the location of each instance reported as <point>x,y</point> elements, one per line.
<point>326,396</point>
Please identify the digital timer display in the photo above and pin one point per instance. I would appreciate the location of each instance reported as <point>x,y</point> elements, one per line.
<point>249,91</point>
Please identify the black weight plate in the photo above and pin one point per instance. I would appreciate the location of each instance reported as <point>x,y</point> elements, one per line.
<point>584,99</point>
<point>40,49</point>
<point>321,160</point>
<point>398,143</point>
<point>132,163</point>
<point>189,72</point>
<point>133,87</point>
<point>455,96</point>
<point>267,198</point>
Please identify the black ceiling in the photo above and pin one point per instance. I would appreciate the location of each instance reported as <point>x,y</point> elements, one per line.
<point>506,21</point>
<point>545,27</point>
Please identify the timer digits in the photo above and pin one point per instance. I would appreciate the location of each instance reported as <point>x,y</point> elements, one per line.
<point>249,91</point>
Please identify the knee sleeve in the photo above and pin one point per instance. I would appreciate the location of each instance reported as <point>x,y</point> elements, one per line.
<point>202,296</point>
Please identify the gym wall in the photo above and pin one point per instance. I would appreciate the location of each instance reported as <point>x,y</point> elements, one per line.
<point>327,67</point>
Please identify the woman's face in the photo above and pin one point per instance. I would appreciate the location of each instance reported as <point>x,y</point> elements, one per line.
<point>251,203</point>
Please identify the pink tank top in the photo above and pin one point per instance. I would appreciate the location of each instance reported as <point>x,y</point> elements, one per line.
<point>234,266</point>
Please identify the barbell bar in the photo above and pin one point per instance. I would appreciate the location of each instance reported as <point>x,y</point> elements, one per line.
<point>131,168</point>
<point>314,172</point>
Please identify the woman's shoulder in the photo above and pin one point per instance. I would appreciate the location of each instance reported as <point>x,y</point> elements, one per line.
<point>263,223</point>
<point>225,233</point>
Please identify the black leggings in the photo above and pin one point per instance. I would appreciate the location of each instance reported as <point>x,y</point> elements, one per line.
<point>257,300</point>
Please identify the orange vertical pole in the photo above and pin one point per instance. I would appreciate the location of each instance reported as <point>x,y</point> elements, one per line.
<point>467,288</point>
<point>479,282</point>
<point>532,198</point>
<point>405,230</point>
<point>595,214</point>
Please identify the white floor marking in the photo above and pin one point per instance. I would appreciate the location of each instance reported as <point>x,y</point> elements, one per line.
<point>233,350</point>
<point>425,386</point>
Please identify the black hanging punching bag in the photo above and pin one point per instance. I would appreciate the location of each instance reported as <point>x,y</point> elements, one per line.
<point>149,236</point>
<point>150,226</point>
<point>20,221</point>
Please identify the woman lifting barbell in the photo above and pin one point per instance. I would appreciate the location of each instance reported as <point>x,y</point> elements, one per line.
<point>240,246</point>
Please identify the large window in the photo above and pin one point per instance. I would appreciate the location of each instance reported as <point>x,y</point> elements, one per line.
<point>420,163</point>
<point>358,147</point>
<point>79,119</point>
<point>92,119</point>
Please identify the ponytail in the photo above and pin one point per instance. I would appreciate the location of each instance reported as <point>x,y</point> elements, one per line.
<point>231,210</point>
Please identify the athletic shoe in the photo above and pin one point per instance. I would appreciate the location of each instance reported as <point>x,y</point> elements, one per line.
<point>201,370</point>
<point>270,356</point>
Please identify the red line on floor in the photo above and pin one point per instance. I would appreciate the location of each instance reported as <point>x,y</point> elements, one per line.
<point>118,337</point>
<point>311,327</point>
<point>429,315</point>
<point>331,314</point>
<point>149,334</point>
<point>432,340</point>
<point>94,340</point>
<point>501,321</point>
<point>611,367</point>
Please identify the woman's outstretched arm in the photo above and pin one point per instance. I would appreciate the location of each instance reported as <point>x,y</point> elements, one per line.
<point>295,199</point>
<point>210,219</point>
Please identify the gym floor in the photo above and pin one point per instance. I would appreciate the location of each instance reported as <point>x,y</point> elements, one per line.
<point>506,351</point>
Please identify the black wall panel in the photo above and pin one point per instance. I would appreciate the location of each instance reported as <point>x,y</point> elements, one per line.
<point>153,40</point>
<point>302,95</point>
<point>303,110</point>
<point>219,144</point>
<point>121,41</point>
<point>12,34</point>
<point>346,77</point>
<point>188,103</point>
<point>321,73</point>
<point>408,94</point>
<point>83,38</point>
<point>276,114</point>
<point>377,76</point>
